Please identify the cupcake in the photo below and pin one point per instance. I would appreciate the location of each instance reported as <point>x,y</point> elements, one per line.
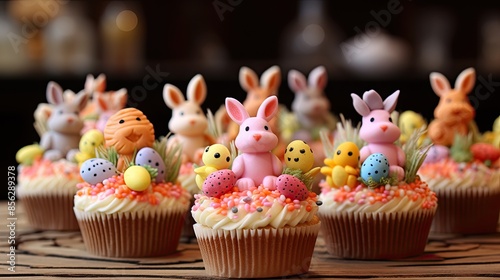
<point>255,219</point>
<point>189,128</point>
<point>460,169</point>
<point>48,172</point>
<point>131,204</point>
<point>374,204</point>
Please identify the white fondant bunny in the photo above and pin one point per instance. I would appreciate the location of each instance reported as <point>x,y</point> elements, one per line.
<point>378,130</point>
<point>255,141</point>
<point>310,106</point>
<point>188,122</point>
<point>64,124</point>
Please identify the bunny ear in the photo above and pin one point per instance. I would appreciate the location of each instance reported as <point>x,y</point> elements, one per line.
<point>89,83</point>
<point>271,79</point>
<point>120,98</point>
<point>197,89</point>
<point>296,81</point>
<point>248,79</point>
<point>391,101</point>
<point>318,77</point>
<point>54,93</point>
<point>172,96</point>
<point>236,111</point>
<point>268,108</point>
<point>373,100</point>
<point>466,80</point>
<point>100,101</point>
<point>439,83</point>
<point>100,83</point>
<point>359,105</point>
<point>81,100</point>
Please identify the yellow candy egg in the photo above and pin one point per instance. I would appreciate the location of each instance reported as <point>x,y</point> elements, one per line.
<point>27,154</point>
<point>137,178</point>
<point>298,155</point>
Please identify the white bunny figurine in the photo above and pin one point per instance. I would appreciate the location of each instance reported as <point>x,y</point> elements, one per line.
<point>256,164</point>
<point>64,124</point>
<point>188,122</point>
<point>310,106</point>
<point>378,130</point>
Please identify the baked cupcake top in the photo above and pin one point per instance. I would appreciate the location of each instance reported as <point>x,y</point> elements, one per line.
<point>381,176</point>
<point>147,179</point>
<point>254,191</point>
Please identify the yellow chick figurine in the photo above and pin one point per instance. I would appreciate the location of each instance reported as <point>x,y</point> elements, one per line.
<point>299,155</point>
<point>493,137</point>
<point>89,141</point>
<point>28,154</point>
<point>215,157</point>
<point>409,121</point>
<point>343,168</point>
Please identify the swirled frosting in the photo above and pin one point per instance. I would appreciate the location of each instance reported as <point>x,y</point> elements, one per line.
<point>384,199</point>
<point>257,207</point>
<point>448,174</point>
<point>187,178</point>
<point>113,196</point>
<point>45,176</point>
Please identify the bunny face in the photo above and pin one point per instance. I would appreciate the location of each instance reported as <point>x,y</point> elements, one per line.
<point>255,134</point>
<point>64,117</point>
<point>187,118</point>
<point>310,100</point>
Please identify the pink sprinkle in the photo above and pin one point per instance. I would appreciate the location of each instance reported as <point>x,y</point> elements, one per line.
<point>235,217</point>
<point>384,200</point>
<point>361,201</point>
<point>230,204</point>
<point>215,205</point>
<point>296,201</point>
<point>267,203</point>
<point>297,206</point>
<point>247,207</point>
<point>351,199</point>
<point>359,188</point>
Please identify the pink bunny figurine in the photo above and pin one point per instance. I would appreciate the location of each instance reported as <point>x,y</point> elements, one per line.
<point>188,122</point>
<point>454,112</point>
<point>256,163</point>
<point>64,124</point>
<point>378,130</point>
<point>310,106</point>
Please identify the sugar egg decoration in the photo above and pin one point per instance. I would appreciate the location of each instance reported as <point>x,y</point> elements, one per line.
<point>376,167</point>
<point>148,156</point>
<point>96,170</point>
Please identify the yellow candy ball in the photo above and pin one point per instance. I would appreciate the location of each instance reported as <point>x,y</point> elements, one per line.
<point>137,178</point>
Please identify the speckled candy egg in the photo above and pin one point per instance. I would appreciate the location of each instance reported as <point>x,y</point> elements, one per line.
<point>96,170</point>
<point>148,156</point>
<point>437,153</point>
<point>375,166</point>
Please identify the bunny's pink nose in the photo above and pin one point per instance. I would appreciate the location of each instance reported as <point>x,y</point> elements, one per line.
<point>257,137</point>
<point>70,120</point>
<point>383,127</point>
<point>191,122</point>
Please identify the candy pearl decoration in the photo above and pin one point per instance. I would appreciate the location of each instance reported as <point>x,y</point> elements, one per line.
<point>137,178</point>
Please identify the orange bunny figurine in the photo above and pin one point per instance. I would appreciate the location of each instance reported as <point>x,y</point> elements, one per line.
<point>454,112</point>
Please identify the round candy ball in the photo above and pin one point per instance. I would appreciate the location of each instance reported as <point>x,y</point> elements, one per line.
<point>137,178</point>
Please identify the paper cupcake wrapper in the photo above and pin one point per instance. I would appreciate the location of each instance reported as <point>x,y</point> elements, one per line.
<point>380,236</point>
<point>50,212</point>
<point>471,211</point>
<point>130,235</point>
<point>257,253</point>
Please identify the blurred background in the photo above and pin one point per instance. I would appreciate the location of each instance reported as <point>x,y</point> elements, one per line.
<point>142,45</point>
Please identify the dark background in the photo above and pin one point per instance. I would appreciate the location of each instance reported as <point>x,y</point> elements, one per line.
<point>185,38</point>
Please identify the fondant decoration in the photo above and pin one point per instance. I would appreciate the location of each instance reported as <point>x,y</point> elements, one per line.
<point>107,102</point>
<point>310,106</point>
<point>96,170</point>
<point>219,182</point>
<point>215,157</point>
<point>485,152</point>
<point>409,121</point>
<point>257,92</point>
<point>64,124</point>
<point>88,143</point>
<point>298,155</point>
<point>188,122</point>
<point>437,153</point>
<point>493,136</point>
<point>343,168</point>
<point>147,156</point>
<point>256,164</point>
<point>28,154</point>
<point>454,112</point>
<point>291,187</point>
<point>127,131</point>
<point>137,178</point>
<point>377,129</point>
<point>375,168</point>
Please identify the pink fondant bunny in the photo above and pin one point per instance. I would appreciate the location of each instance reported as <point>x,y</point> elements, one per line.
<point>310,106</point>
<point>256,164</point>
<point>454,112</point>
<point>378,130</point>
<point>64,124</point>
<point>188,122</point>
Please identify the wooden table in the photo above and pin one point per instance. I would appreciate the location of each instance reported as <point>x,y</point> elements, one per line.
<point>52,254</point>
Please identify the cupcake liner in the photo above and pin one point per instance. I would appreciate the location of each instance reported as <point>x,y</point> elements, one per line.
<point>257,253</point>
<point>471,211</point>
<point>376,235</point>
<point>50,211</point>
<point>131,235</point>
